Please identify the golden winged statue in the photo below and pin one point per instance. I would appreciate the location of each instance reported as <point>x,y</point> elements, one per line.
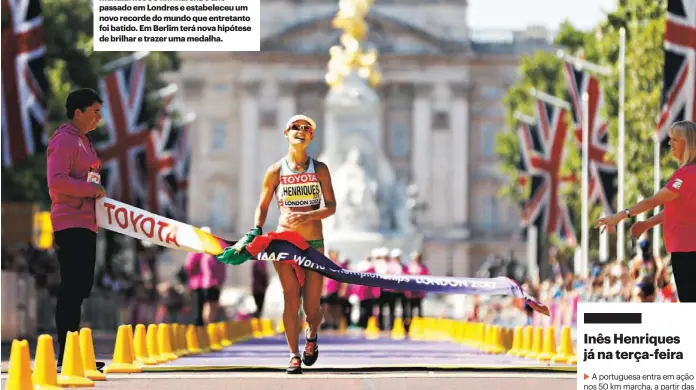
<point>352,54</point>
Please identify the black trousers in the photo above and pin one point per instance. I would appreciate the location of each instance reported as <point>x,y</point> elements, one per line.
<point>416,304</point>
<point>684,273</point>
<point>259,298</point>
<point>200,302</point>
<point>77,254</point>
<point>366,308</point>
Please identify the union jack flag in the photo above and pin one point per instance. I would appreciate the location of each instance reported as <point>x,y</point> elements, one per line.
<point>542,154</point>
<point>24,82</point>
<point>168,167</point>
<point>679,88</point>
<point>603,173</point>
<point>124,152</point>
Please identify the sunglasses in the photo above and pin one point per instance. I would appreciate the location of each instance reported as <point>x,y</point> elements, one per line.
<point>302,127</point>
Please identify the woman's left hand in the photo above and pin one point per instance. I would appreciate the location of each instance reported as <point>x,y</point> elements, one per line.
<point>294,219</point>
<point>610,222</point>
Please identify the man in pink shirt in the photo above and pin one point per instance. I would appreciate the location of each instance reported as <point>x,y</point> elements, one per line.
<point>74,184</point>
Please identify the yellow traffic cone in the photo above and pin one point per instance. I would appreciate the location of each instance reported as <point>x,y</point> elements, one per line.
<point>497,341</point>
<point>223,331</point>
<point>372,330</point>
<point>213,337</point>
<point>176,348</point>
<point>527,340</point>
<point>566,350</point>
<point>256,328</point>
<point>123,353</point>
<point>181,336</point>
<point>281,327</point>
<point>153,345</point>
<point>415,332</point>
<point>342,326</point>
<point>89,361</point>
<point>203,338</point>
<point>19,375</point>
<point>398,331</point>
<point>164,342</point>
<point>549,346</point>
<point>140,346</point>
<point>45,374</point>
<point>537,343</point>
<point>72,373</point>
<point>267,327</point>
<point>517,340</point>
<point>192,340</point>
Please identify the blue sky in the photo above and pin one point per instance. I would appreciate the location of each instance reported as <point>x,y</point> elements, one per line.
<point>517,14</point>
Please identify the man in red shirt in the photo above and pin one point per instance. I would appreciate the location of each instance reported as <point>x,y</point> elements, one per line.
<point>679,216</point>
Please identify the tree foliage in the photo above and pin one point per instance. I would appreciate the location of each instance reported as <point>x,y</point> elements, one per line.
<point>644,21</point>
<point>70,63</point>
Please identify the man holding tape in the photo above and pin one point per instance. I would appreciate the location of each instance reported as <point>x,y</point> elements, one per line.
<point>74,184</point>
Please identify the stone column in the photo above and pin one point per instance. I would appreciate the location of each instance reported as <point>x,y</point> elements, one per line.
<point>249,131</point>
<point>460,132</point>
<point>286,103</point>
<point>422,141</point>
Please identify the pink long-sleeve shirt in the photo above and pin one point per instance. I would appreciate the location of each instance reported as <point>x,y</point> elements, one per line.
<point>70,157</point>
<point>204,271</point>
<point>417,270</point>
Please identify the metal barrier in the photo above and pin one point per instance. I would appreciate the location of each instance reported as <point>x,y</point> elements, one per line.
<point>19,305</point>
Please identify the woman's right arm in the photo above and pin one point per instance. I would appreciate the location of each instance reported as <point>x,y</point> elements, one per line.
<point>270,182</point>
<point>60,154</point>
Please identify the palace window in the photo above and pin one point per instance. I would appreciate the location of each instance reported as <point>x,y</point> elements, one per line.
<point>218,137</point>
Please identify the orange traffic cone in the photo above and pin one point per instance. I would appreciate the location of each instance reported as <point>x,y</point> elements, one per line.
<point>45,374</point>
<point>89,361</point>
<point>73,373</point>
<point>19,375</point>
<point>123,353</point>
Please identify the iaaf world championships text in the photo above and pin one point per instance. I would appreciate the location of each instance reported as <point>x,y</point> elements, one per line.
<point>307,263</point>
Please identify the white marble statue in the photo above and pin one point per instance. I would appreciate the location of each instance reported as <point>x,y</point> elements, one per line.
<point>356,196</point>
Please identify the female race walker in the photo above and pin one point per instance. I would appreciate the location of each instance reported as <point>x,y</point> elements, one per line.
<point>679,216</point>
<point>299,182</point>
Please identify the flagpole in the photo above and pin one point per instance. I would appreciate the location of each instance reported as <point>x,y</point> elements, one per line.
<point>585,240</point>
<point>621,232</point>
<point>656,170</point>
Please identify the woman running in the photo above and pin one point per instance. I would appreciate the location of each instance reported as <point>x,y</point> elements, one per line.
<point>299,182</point>
<point>679,215</point>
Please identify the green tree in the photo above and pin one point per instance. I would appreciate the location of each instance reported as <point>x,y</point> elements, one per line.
<point>70,63</point>
<point>644,21</point>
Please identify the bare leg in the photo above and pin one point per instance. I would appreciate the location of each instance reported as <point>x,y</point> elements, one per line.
<point>311,300</point>
<point>291,295</point>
